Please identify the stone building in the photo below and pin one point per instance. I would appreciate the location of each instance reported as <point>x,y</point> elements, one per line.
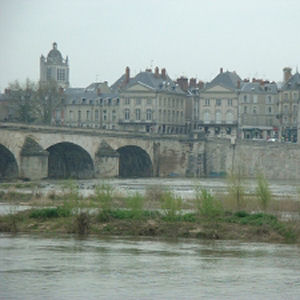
<point>54,68</point>
<point>151,102</point>
<point>92,107</point>
<point>289,105</point>
<point>258,109</point>
<point>218,106</point>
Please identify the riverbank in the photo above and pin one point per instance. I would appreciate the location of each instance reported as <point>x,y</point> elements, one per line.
<point>232,226</point>
<point>158,213</point>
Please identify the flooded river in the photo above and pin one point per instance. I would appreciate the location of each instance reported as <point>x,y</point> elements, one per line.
<point>184,187</point>
<point>37,267</point>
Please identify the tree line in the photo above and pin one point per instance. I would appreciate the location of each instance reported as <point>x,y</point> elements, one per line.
<point>32,102</point>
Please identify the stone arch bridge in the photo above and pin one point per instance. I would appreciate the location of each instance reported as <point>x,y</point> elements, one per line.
<point>36,152</point>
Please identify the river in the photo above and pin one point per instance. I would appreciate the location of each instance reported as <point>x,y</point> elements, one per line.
<point>38,267</point>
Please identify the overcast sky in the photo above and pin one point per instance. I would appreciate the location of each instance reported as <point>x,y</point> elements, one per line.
<point>193,38</point>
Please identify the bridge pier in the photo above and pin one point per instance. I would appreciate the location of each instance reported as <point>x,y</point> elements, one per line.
<point>34,160</point>
<point>106,162</point>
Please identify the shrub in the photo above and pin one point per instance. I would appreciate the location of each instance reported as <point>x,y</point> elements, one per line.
<point>104,196</point>
<point>50,212</point>
<point>171,205</point>
<point>235,188</point>
<point>207,205</point>
<point>263,191</point>
<point>135,203</point>
<point>82,223</point>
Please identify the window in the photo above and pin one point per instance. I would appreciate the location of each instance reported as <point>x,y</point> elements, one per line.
<point>254,98</point>
<point>127,114</point>
<point>229,102</point>
<point>104,115</point>
<point>79,115</point>
<point>49,73</point>
<point>245,109</point>
<point>295,109</point>
<point>218,102</point>
<point>269,99</point>
<point>137,114</point>
<point>254,109</point>
<point>113,115</point>
<point>245,98</point>
<point>138,101</point>
<point>206,117</point>
<point>96,115</point>
<point>218,117</point>
<point>149,101</point>
<point>286,97</point>
<point>285,109</point>
<point>270,109</point>
<point>229,117</point>
<point>87,115</point>
<point>60,74</point>
<point>71,115</point>
<point>127,101</point>
<point>148,114</point>
<point>207,102</point>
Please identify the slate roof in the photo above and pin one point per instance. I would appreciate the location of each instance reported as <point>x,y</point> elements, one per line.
<point>75,96</point>
<point>257,88</point>
<point>293,83</point>
<point>151,81</point>
<point>226,79</point>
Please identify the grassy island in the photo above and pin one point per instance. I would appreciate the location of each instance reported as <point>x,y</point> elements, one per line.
<point>158,213</point>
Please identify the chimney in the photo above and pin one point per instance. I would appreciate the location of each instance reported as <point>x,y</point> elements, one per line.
<point>127,75</point>
<point>149,70</point>
<point>156,72</point>
<point>183,83</point>
<point>200,84</point>
<point>287,74</point>
<point>163,73</point>
<point>60,90</point>
<point>221,70</point>
<point>193,83</point>
<point>239,84</point>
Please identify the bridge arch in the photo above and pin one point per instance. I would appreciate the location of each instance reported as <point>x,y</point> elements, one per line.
<point>8,163</point>
<point>69,160</point>
<point>134,162</point>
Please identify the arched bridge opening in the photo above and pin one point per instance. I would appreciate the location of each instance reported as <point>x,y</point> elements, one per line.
<point>134,162</point>
<point>8,164</point>
<point>68,160</point>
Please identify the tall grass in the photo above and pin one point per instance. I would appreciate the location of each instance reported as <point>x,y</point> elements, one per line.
<point>236,189</point>
<point>171,205</point>
<point>135,203</point>
<point>206,204</point>
<point>263,191</point>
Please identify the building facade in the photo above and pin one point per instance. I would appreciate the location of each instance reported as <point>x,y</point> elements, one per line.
<point>218,106</point>
<point>258,110</point>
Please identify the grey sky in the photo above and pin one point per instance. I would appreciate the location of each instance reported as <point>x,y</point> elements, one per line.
<point>194,38</point>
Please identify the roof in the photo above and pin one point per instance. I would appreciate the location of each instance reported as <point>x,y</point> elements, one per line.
<point>154,81</point>
<point>226,79</point>
<point>293,83</point>
<point>257,88</point>
<point>76,96</point>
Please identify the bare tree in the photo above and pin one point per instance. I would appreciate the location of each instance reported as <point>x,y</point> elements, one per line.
<point>49,97</point>
<point>23,101</point>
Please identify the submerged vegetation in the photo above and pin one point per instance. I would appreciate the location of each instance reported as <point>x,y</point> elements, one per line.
<point>159,212</point>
